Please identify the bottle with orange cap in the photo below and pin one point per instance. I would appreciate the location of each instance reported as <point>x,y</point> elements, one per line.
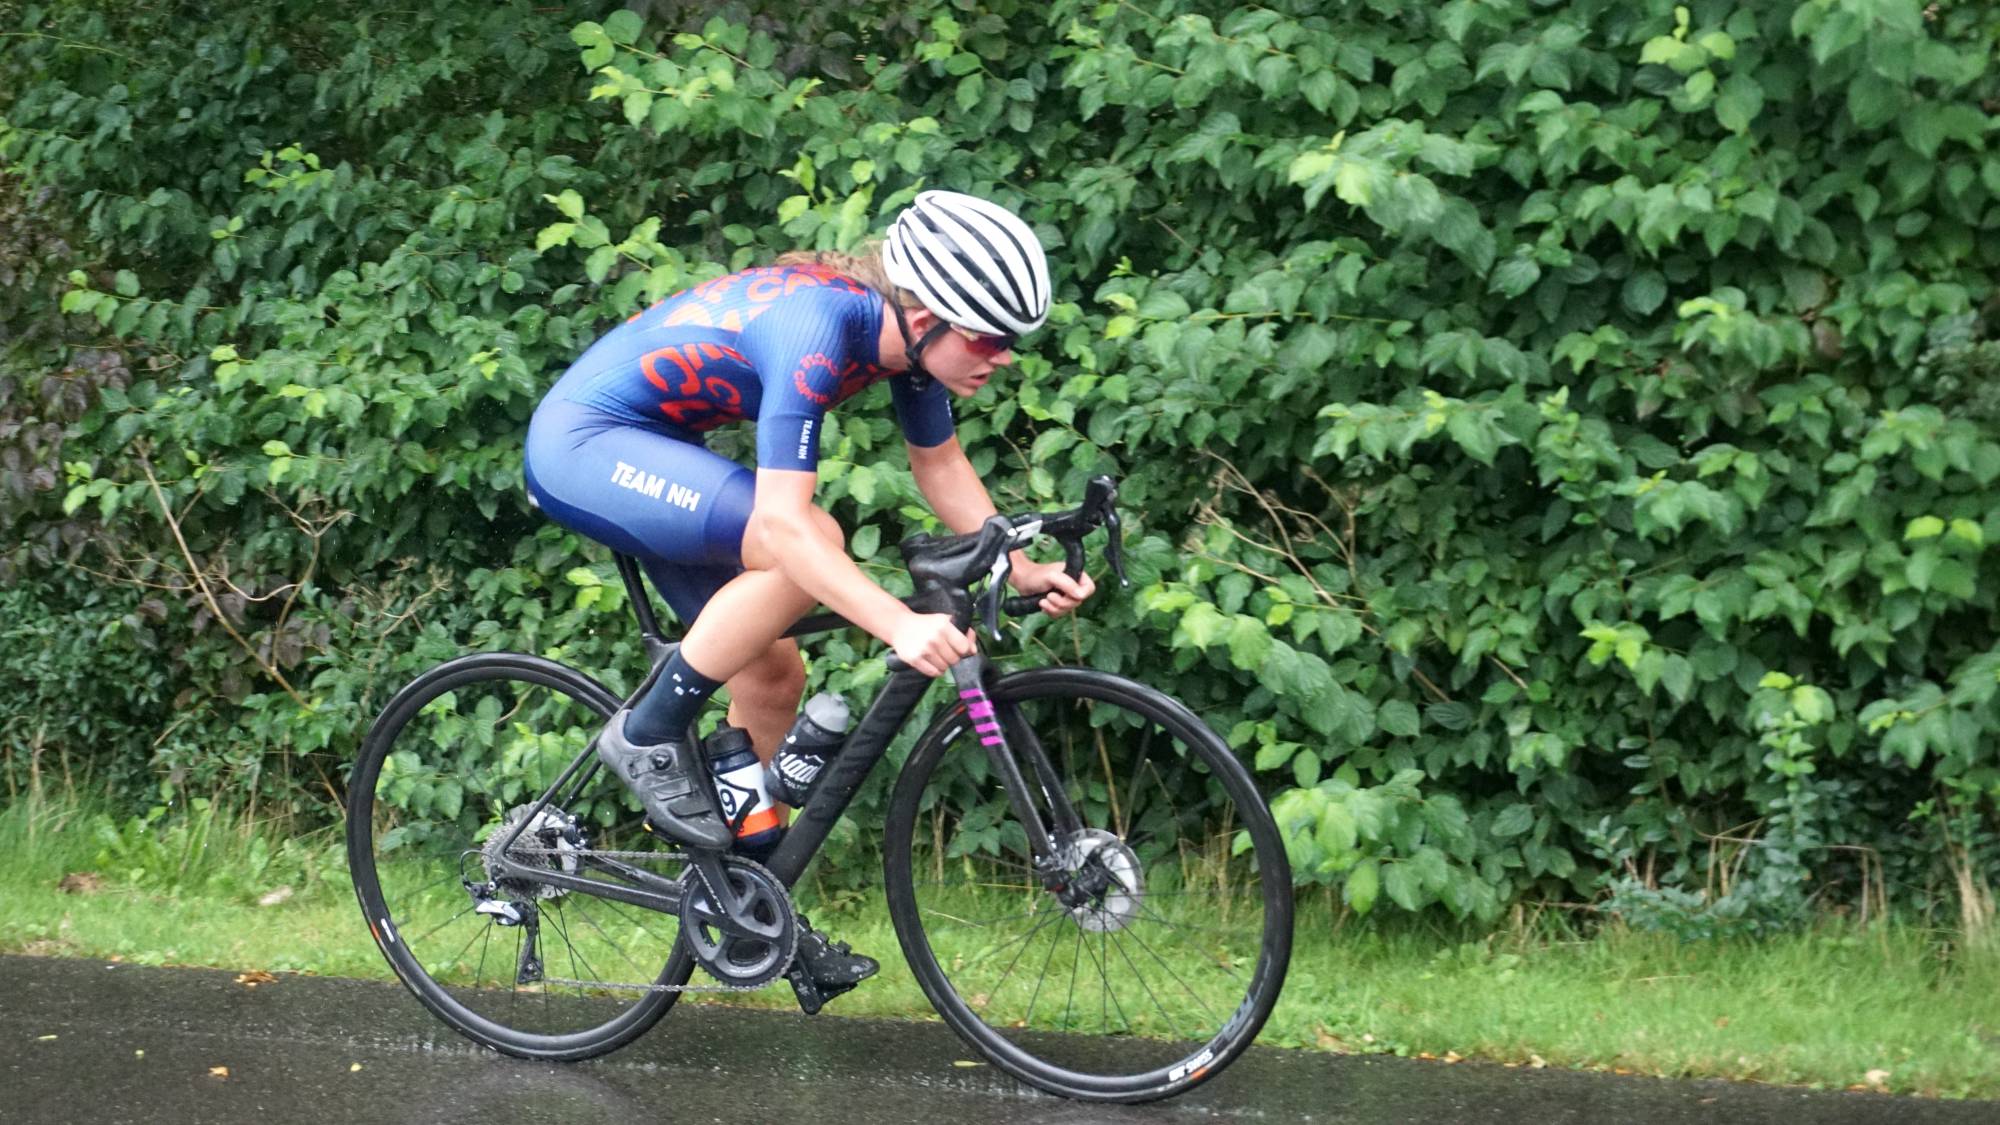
<point>739,784</point>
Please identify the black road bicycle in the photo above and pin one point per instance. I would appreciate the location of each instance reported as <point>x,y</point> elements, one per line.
<point>1084,879</point>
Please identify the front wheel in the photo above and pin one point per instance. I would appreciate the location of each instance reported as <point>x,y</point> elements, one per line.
<point>1150,954</point>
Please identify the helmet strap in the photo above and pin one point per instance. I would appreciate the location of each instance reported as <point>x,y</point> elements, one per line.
<point>914,352</point>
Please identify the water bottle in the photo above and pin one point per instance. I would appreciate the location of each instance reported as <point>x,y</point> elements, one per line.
<point>739,784</point>
<point>814,739</point>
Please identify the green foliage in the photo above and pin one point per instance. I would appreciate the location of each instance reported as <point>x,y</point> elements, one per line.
<point>1505,394</point>
<point>205,852</point>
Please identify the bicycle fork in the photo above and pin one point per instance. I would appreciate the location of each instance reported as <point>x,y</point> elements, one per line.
<point>1005,749</point>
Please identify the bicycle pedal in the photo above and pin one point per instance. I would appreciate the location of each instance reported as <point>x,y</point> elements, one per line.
<point>812,995</point>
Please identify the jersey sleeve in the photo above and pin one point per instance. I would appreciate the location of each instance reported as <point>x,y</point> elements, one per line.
<point>799,350</point>
<point>923,408</point>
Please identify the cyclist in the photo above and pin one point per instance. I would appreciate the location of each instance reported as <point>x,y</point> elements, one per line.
<point>615,452</point>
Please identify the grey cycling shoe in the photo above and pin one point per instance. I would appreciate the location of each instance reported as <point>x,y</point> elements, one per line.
<point>670,783</point>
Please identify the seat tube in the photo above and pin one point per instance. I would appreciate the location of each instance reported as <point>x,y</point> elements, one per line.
<point>970,675</point>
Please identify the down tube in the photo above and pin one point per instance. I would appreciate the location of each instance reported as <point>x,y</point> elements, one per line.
<point>845,773</point>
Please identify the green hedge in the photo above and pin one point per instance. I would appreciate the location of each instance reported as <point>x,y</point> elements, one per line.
<point>1561,438</point>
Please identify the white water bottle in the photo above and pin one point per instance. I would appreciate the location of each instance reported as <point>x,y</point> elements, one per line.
<point>739,783</point>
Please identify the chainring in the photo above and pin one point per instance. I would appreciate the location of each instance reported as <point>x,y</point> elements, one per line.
<point>735,959</point>
<point>552,834</point>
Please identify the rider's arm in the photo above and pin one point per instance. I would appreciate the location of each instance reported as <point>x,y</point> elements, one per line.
<point>783,526</point>
<point>951,485</point>
<point>955,492</point>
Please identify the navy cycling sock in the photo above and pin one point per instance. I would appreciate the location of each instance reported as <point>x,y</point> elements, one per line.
<point>664,712</point>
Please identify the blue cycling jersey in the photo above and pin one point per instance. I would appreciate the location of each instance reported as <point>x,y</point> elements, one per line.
<point>777,345</point>
<point>615,449</point>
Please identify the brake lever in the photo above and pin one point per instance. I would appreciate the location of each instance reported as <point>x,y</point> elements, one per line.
<point>996,581</point>
<point>1114,545</point>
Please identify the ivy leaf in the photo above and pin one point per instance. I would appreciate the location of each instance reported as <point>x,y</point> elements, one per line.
<point>1741,100</point>
<point>1399,717</point>
<point>623,27</point>
<point>1923,527</point>
<point>1514,820</point>
<point>1364,882</point>
<point>1644,292</point>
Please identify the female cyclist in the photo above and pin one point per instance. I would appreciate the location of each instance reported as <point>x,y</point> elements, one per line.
<point>615,452</point>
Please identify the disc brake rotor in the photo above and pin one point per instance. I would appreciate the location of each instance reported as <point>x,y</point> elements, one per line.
<point>551,829</point>
<point>1095,853</point>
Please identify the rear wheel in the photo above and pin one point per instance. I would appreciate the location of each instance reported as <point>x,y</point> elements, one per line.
<point>457,759</point>
<point>1153,953</point>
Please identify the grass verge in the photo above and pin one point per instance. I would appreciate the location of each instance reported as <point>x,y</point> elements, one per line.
<point>1893,1007</point>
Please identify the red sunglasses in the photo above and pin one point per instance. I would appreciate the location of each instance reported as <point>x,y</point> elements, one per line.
<point>984,346</point>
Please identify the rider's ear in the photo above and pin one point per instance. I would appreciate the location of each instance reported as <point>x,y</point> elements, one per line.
<point>920,319</point>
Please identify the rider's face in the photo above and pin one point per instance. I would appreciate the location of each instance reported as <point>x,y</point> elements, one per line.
<point>961,363</point>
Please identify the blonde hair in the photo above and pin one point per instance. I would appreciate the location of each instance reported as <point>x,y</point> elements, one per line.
<point>863,265</point>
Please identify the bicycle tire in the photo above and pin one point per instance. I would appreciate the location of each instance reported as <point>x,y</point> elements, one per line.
<point>444,730</point>
<point>940,818</point>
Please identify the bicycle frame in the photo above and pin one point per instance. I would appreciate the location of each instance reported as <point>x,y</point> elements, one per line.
<point>845,773</point>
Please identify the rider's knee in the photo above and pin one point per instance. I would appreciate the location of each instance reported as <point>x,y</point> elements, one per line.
<point>778,675</point>
<point>763,542</point>
<point>829,527</point>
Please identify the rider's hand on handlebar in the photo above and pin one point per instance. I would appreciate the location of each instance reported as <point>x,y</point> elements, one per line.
<point>930,643</point>
<point>1064,593</point>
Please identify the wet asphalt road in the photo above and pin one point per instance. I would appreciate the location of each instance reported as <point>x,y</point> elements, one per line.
<point>72,1033</point>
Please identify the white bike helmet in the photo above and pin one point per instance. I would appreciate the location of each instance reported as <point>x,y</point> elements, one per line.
<point>974,263</point>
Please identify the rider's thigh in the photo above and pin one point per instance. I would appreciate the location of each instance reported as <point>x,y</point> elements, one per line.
<point>637,489</point>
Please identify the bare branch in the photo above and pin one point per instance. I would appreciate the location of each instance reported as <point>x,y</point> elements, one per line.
<point>194,569</point>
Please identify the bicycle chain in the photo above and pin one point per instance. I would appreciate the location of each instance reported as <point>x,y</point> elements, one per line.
<point>672,857</point>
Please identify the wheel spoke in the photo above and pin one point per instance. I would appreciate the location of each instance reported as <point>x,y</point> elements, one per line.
<point>1168,966</point>
<point>983,923</point>
<point>1143,983</point>
<point>1026,942</point>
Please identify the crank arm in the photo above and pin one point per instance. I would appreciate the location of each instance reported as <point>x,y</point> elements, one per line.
<point>734,916</point>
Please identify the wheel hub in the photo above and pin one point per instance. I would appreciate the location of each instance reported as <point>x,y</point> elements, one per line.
<point>552,829</point>
<point>1106,886</point>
